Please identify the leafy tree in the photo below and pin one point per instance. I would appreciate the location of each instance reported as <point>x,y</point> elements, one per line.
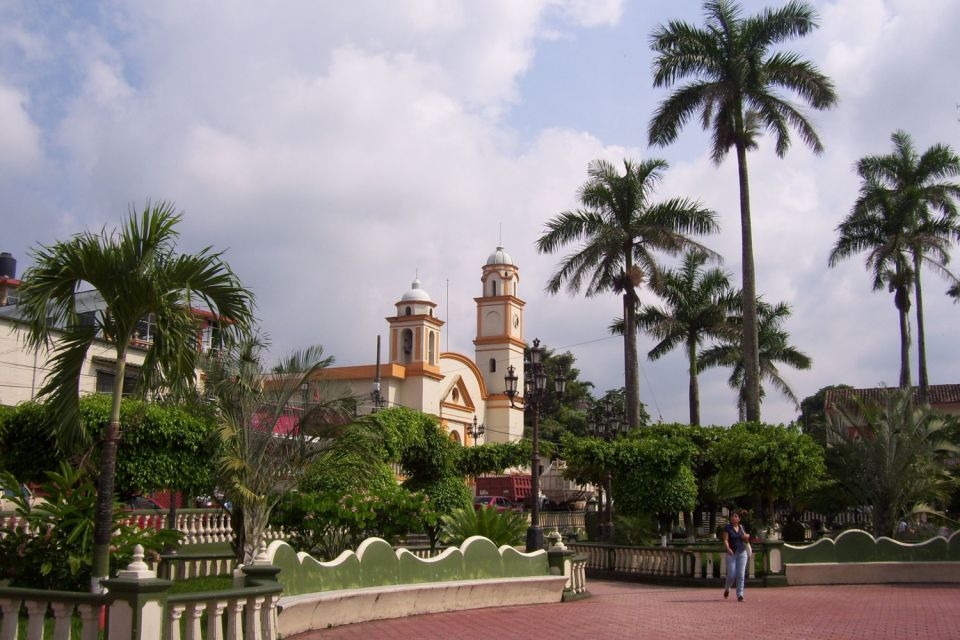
<point>773,462</point>
<point>137,272</point>
<point>271,427</point>
<point>919,185</point>
<point>652,476</point>
<point>560,414</point>
<point>775,348</point>
<point>163,447</point>
<point>620,230</point>
<point>813,416</point>
<point>698,304</point>
<point>891,456</point>
<point>735,84</point>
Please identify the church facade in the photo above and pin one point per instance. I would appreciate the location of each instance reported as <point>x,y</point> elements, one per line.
<point>454,387</point>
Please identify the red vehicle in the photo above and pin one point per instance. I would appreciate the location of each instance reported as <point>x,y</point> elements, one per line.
<point>515,488</point>
<point>495,502</point>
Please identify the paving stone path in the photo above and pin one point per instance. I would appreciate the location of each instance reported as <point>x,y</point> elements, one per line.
<point>623,610</point>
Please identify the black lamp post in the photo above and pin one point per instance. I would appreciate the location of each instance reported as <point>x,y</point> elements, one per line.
<point>476,431</point>
<point>606,424</point>
<point>535,386</point>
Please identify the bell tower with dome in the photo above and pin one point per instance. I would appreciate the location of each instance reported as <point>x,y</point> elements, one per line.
<point>499,342</point>
<point>415,333</point>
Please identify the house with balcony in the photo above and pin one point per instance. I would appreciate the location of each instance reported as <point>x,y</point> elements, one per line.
<point>23,370</point>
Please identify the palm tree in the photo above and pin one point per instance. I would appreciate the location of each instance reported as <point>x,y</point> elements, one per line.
<point>698,304</point>
<point>891,455</point>
<point>620,229</point>
<point>272,425</point>
<point>775,348</point>
<point>137,273</point>
<point>735,87</point>
<point>884,224</point>
<point>954,292</point>
<point>920,185</point>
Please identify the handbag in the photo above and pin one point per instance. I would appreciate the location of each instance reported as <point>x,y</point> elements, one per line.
<point>749,549</point>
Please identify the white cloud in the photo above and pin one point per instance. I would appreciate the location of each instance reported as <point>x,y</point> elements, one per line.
<point>21,151</point>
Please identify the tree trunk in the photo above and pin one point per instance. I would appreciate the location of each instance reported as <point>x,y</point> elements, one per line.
<point>921,340</point>
<point>631,363</point>
<point>103,515</point>
<point>901,298</point>
<point>694,383</point>
<point>751,353</point>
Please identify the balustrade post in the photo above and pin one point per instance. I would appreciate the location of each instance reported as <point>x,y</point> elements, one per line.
<point>137,600</point>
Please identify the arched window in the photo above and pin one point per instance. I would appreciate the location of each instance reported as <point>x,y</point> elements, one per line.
<point>493,287</point>
<point>431,349</point>
<point>493,365</point>
<point>408,311</point>
<point>407,345</point>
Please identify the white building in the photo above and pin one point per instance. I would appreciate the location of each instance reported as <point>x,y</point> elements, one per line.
<point>452,386</point>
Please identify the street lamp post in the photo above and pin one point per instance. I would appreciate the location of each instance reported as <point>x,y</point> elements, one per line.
<point>606,424</point>
<point>535,386</point>
<point>476,431</point>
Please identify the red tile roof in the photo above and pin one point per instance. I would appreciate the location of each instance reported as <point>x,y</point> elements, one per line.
<point>936,394</point>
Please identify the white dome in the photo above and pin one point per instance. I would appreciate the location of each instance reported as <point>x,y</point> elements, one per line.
<point>499,256</point>
<point>416,294</point>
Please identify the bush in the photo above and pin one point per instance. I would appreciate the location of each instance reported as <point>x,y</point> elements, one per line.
<point>500,527</point>
<point>793,531</point>
<point>328,525</point>
<point>53,547</point>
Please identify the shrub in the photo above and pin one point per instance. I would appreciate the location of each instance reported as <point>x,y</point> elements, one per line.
<point>501,527</point>
<point>52,548</point>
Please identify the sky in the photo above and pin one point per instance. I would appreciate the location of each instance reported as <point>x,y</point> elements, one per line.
<point>336,151</point>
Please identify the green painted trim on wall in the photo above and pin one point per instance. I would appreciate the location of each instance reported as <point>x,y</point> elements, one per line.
<point>856,545</point>
<point>377,564</point>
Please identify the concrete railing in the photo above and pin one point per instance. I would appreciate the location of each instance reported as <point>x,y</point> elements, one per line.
<point>695,562</point>
<point>139,607</point>
<point>198,526</point>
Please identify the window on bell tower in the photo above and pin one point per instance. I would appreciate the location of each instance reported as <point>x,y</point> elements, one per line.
<point>493,365</point>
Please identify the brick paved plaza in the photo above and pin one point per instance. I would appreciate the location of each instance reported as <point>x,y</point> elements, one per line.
<point>623,610</point>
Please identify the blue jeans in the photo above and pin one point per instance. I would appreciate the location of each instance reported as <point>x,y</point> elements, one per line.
<point>736,567</point>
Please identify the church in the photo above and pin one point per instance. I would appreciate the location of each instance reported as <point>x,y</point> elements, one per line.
<point>454,387</point>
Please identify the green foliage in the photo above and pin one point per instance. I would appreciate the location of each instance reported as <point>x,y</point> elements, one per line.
<point>501,527</point>
<point>634,530</point>
<point>163,447</point>
<point>53,547</point>
<point>896,456</point>
<point>328,525</point>
<point>27,448</point>
<point>493,458</point>
<point>813,417</point>
<point>773,461</point>
<point>340,475</point>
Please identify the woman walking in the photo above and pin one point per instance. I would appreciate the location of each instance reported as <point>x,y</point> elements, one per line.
<point>736,540</point>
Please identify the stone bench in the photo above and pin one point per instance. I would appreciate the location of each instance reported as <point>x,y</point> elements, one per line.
<point>871,572</point>
<point>332,608</point>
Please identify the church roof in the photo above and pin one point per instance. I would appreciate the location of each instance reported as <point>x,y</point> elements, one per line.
<point>499,256</point>
<point>416,294</point>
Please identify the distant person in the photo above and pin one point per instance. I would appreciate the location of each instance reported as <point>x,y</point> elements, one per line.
<point>735,540</point>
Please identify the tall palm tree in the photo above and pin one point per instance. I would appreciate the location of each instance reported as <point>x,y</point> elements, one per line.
<point>736,84</point>
<point>885,226</point>
<point>697,305</point>
<point>775,348</point>
<point>619,229</point>
<point>921,185</point>
<point>137,273</point>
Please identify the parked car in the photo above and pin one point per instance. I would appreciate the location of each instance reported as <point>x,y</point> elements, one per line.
<point>142,502</point>
<point>7,493</point>
<point>495,502</point>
